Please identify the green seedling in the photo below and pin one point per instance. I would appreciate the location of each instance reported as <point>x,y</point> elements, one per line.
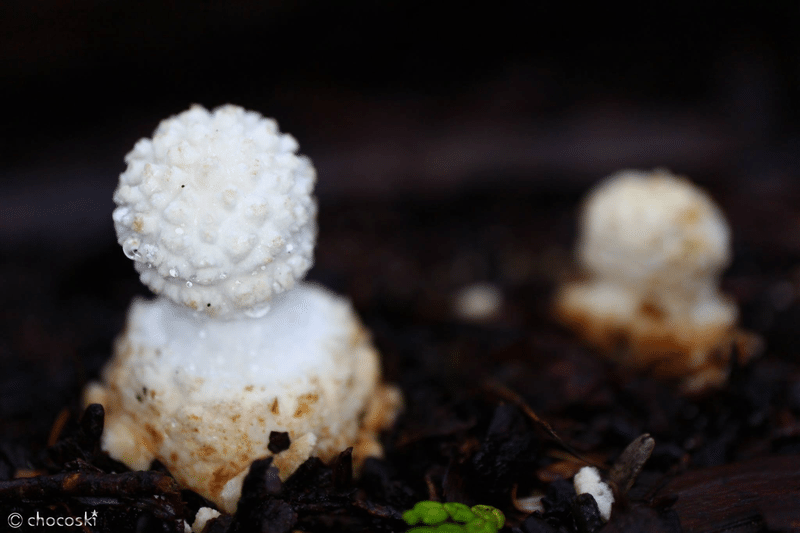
<point>453,517</point>
<point>490,514</point>
<point>427,512</point>
<point>459,512</point>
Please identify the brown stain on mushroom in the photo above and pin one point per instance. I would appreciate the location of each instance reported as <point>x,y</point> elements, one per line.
<point>325,434</point>
<point>156,437</point>
<point>652,311</point>
<point>690,216</point>
<point>249,388</point>
<point>153,408</point>
<point>692,247</point>
<point>275,408</point>
<point>173,457</point>
<point>304,404</point>
<point>138,224</point>
<point>236,417</point>
<point>219,477</point>
<point>207,451</point>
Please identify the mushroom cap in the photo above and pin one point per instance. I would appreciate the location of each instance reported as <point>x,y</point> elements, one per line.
<point>217,212</point>
<point>203,396</point>
<point>653,228</point>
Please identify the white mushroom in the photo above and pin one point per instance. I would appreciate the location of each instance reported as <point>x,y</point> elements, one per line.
<point>587,481</point>
<point>202,391</point>
<point>653,246</point>
<point>204,514</point>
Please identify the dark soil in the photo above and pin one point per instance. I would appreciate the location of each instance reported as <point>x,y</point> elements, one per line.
<point>479,396</point>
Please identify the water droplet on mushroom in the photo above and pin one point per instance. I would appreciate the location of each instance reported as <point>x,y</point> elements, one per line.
<point>173,272</point>
<point>257,312</point>
<point>189,284</point>
<point>131,248</point>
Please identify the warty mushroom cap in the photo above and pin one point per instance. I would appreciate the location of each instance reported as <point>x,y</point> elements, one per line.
<point>217,212</point>
<point>653,229</point>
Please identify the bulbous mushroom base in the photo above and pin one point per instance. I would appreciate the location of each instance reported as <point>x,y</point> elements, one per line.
<point>203,396</point>
<point>685,341</point>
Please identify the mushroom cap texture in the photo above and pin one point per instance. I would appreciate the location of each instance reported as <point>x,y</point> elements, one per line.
<point>646,227</point>
<point>217,212</point>
<point>202,396</point>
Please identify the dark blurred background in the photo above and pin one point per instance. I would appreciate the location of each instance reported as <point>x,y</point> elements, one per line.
<point>393,98</point>
<point>395,102</point>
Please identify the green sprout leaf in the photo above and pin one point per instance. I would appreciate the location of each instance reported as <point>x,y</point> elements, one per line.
<point>490,514</point>
<point>411,517</point>
<point>459,512</point>
<point>431,513</point>
<point>449,528</point>
<point>435,516</point>
<point>479,525</point>
<point>445,527</point>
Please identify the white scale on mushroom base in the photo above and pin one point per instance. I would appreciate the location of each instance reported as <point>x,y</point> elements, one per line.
<point>217,213</point>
